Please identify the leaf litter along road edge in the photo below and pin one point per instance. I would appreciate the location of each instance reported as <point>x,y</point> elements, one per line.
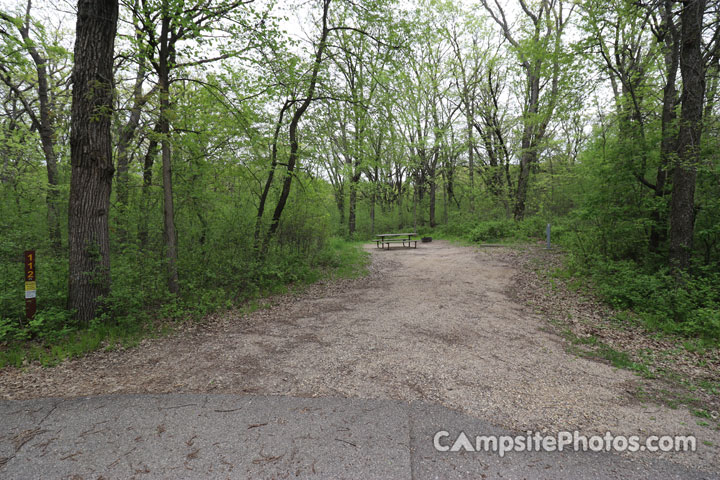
<point>677,376</point>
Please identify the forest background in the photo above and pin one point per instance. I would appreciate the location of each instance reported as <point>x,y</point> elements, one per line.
<point>246,159</point>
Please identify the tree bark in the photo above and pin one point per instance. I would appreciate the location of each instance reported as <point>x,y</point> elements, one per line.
<point>415,202</point>
<point>668,144</point>
<point>534,122</point>
<point>373,200</point>
<point>340,202</point>
<point>692,68</point>
<point>469,114</point>
<point>433,196</point>
<point>91,157</point>
<point>352,205</point>
<point>529,145</point>
<point>147,183</point>
<point>446,187</point>
<point>169,231</point>
<point>271,174</point>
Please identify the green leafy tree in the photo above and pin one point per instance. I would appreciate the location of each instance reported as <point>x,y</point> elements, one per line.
<point>34,68</point>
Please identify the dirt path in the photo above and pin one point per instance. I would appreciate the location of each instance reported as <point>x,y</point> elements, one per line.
<point>434,324</point>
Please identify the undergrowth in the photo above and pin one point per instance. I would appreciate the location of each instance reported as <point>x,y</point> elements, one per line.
<point>139,307</point>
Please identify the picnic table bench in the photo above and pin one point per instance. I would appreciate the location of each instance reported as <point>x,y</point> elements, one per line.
<point>388,238</point>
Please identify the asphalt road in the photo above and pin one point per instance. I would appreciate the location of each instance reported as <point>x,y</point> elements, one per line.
<point>231,436</point>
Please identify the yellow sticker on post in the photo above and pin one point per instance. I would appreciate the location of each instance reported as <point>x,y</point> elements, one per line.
<point>30,290</point>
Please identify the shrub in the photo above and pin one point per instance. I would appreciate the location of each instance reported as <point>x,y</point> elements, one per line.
<point>493,230</point>
<point>689,306</point>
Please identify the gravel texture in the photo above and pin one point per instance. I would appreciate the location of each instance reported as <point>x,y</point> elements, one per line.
<point>441,323</point>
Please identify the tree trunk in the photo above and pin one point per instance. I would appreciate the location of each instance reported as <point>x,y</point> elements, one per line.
<point>169,232</point>
<point>52,193</point>
<point>529,146</point>
<point>433,195</point>
<point>352,205</point>
<point>445,203</point>
<point>552,23</point>
<point>271,174</point>
<point>373,200</point>
<point>682,207</point>
<point>126,134</point>
<point>352,208</point>
<point>526,161</point>
<point>147,183</point>
<point>91,158</point>
<point>668,145</point>
<point>340,202</point>
<point>294,146</point>
<point>415,202</point>
<point>471,151</point>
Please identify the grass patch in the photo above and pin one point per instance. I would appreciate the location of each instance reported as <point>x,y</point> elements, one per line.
<point>591,347</point>
<point>349,259</point>
<point>77,344</point>
<point>701,413</point>
<point>620,359</point>
<point>589,340</point>
<point>710,387</point>
<point>616,358</point>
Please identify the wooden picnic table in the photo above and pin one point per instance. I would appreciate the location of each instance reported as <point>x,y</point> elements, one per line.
<point>388,238</point>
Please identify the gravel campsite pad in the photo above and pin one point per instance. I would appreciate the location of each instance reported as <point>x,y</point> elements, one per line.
<point>440,323</point>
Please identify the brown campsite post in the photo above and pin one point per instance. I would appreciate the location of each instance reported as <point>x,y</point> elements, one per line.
<point>30,284</point>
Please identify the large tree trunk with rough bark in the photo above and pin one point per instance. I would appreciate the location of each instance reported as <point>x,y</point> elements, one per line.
<point>91,157</point>
<point>692,68</point>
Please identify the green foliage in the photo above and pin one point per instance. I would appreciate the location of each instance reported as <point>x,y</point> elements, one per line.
<point>140,305</point>
<point>343,258</point>
<point>688,307</point>
<point>493,230</point>
<point>387,121</point>
<point>50,324</point>
<point>505,230</point>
